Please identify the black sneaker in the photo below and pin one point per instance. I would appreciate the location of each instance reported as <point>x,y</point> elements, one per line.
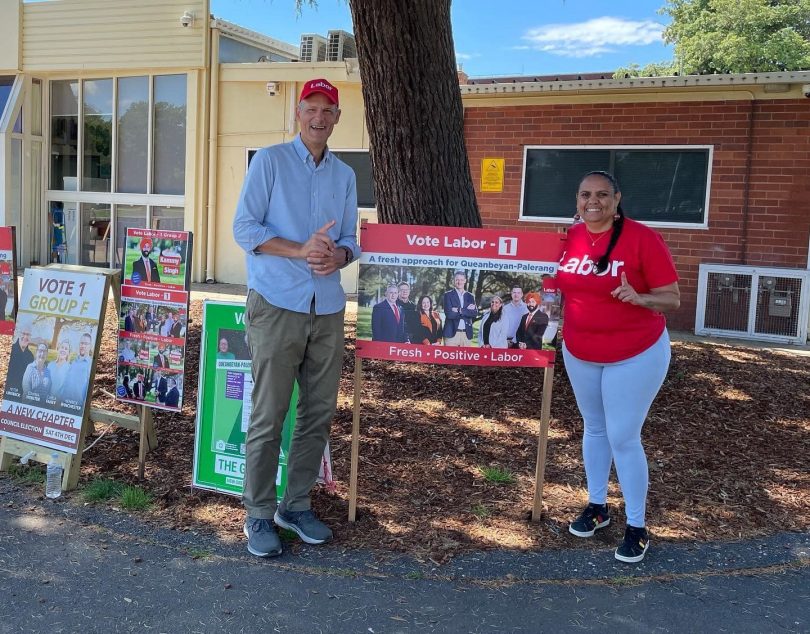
<point>635,545</point>
<point>305,523</point>
<point>594,516</point>
<point>262,537</point>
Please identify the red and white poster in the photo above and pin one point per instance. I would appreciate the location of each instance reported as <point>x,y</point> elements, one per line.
<point>154,318</point>
<point>458,296</point>
<point>8,280</point>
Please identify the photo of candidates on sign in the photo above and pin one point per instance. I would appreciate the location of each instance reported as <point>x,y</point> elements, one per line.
<point>51,359</point>
<point>458,296</point>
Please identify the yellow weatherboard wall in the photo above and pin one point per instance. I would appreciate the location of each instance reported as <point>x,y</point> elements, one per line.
<point>110,34</point>
<point>9,36</point>
<point>249,117</point>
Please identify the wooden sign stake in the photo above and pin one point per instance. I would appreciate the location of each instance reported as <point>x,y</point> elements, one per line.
<point>542,443</point>
<point>358,382</point>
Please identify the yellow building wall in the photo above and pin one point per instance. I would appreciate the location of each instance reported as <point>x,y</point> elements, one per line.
<point>112,34</point>
<point>9,35</point>
<point>251,118</point>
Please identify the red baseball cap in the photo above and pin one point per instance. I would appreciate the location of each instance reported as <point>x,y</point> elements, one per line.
<point>322,86</point>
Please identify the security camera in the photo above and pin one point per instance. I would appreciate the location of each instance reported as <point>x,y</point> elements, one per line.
<point>187,19</point>
<point>806,90</point>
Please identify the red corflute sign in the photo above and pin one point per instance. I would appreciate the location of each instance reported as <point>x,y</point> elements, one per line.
<point>458,296</point>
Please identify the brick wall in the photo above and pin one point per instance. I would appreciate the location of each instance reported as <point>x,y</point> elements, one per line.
<point>776,155</point>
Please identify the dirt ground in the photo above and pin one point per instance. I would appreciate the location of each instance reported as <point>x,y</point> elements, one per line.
<point>727,443</point>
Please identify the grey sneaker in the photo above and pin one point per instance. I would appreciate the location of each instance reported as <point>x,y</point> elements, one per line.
<point>262,537</point>
<point>305,523</point>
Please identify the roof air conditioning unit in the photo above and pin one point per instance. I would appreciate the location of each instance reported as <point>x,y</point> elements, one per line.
<point>341,45</point>
<point>313,48</point>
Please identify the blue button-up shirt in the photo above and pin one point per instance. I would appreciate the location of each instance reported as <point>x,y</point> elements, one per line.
<point>285,195</point>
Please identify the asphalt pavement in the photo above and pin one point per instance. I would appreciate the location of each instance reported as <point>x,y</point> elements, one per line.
<point>70,567</point>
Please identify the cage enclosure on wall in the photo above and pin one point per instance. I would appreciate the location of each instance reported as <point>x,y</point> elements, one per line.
<point>759,303</point>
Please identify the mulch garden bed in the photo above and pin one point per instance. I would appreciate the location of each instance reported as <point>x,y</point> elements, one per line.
<point>727,443</point>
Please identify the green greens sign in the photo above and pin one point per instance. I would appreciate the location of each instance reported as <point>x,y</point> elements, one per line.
<point>224,403</point>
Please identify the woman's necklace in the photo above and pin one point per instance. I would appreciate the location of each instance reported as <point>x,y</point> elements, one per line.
<point>596,239</point>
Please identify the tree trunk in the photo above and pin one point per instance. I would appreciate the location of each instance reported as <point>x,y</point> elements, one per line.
<point>414,113</point>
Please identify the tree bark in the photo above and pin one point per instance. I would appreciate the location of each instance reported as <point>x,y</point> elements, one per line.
<point>413,112</point>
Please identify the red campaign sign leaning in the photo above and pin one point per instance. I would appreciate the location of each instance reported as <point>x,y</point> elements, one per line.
<point>458,296</point>
<point>8,281</point>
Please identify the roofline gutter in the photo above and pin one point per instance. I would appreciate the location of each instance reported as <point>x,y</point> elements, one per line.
<point>786,79</point>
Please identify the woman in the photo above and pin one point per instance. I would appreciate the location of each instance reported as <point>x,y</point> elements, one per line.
<point>127,387</point>
<point>494,326</point>
<point>58,368</point>
<point>429,328</point>
<point>223,352</point>
<point>37,380</point>
<point>617,278</point>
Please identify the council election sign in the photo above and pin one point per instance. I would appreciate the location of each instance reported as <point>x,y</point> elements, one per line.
<point>154,318</point>
<point>224,404</point>
<point>51,359</point>
<point>458,296</point>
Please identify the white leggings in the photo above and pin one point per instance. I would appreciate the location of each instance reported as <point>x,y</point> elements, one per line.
<point>614,399</point>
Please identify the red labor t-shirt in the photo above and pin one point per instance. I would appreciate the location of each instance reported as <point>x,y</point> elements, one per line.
<point>598,327</point>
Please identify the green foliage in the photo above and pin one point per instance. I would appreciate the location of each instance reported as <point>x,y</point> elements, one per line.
<point>27,474</point>
<point>660,69</point>
<point>101,489</point>
<point>135,499</point>
<point>497,475</point>
<point>739,36</point>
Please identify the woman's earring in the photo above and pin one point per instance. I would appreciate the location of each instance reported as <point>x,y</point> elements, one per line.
<point>577,217</point>
<point>616,216</point>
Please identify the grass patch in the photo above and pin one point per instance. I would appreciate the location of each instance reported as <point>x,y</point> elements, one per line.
<point>101,489</point>
<point>497,475</point>
<point>27,474</point>
<point>480,511</point>
<point>414,575</point>
<point>135,499</point>
<point>199,553</point>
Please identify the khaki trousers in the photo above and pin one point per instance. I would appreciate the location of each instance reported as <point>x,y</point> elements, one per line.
<point>285,346</point>
<point>458,339</point>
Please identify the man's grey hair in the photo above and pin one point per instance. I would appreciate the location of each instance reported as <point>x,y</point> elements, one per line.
<point>302,104</point>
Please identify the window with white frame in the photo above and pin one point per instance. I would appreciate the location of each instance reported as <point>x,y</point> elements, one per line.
<point>118,160</point>
<point>666,185</point>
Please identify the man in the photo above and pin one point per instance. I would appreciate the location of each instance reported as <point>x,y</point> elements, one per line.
<point>387,320</point>
<point>161,358</point>
<point>144,268</point>
<point>20,358</point>
<point>161,387</point>
<point>459,312</point>
<point>167,325</point>
<point>529,335</point>
<point>76,389</point>
<point>3,301</point>
<point>149,318</point>
<point>296,220</point>
<point>173,395</point>
<point>127,353</point>
<point>131,320</point>
<point>409,311</point>
<point>138,387</point>
<point>178,329</point>
<point>513,312</point>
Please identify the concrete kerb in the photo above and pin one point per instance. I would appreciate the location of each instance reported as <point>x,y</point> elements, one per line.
<point>577,566</point>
